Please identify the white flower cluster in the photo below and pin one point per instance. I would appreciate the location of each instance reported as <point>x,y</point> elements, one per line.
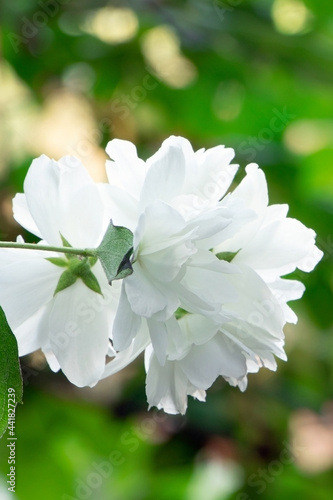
<point>206,297</point>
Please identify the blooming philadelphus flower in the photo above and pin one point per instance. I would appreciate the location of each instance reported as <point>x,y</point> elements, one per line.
<point>233,305</point>
<point>175,226</point>
<point>206,297</point>
<point>273,246</point>
<point>63,305</point>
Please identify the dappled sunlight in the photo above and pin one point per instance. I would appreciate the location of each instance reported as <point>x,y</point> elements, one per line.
<point>63,125</point>
<point>66,126</point>
<point>214,479</point>
<point>18,109</point>
<point>312,438</point>
<point>112,25</point>
<point>291,17</point>
<point>161,48</point>
<point>308,136</point>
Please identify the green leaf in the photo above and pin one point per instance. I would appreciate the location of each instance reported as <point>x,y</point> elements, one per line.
<point>58,261</point>
<point>115,251</point>
<point>125,268</point>
<point>66,279</point>
<point>228,256</point>
<point>11,387</point>
<point>90,280</point>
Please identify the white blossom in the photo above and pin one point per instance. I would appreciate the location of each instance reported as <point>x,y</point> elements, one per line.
<point>176,217</point>
<point>243,332</point>
<point>72,327</point>
<point>208,296</point>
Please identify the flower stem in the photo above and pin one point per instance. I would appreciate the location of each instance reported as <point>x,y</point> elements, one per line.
<point>86,252</point>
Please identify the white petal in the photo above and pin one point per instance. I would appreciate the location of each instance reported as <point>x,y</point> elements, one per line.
<point>244,222</point>
<point>249,204</point>
<point>309,262</point>
<point>284,291</point>
<point>62,197</point>
<point>124,358</point>
<point>193,303</point>
<point>253,189</point>
<point>165,176</point>
<point>41,187</point>
<point>143,294</point>
<point>162,242</point>
<point>166,265</point>
<point>79,342</point>
<point>207,278</point>
<point>126,323</point>
<point>159,338</point>
<point>22,214</point>
<point>160,227</point>
<point>82,216</point>
<point>278,248</point>
<point>275,212</point>
<point>119,206</point>
<point>166,386</point>
<point>26,285</point>
<point>210,223</point>
<point>256,304</point>
<point>127,171</point>
<point>197,329</point>
<point>216,174</point>
<point>30,335</point>
<point>206,362</point>
<point>51,359</point>
<point>178,341</point>
<point>255,342</point>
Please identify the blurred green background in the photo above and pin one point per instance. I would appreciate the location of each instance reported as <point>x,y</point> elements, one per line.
<point>255,75</point>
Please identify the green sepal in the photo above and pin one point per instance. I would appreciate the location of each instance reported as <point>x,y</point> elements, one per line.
<point>65,243</point>
<point>180,313</point>
<point>90,280</point>
<point>10,373</point>
<point>78,266</point>
<point>66,280</point>
<point>227,256</point>
<point>58,261</point>
<point>92,261</point>
<point>115,251</point>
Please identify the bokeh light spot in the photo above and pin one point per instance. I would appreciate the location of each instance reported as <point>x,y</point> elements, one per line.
<point>112,25</point>
<point>161,49</point>
<point>291,17</point>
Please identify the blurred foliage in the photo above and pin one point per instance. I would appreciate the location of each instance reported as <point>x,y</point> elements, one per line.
<point>255,75</point>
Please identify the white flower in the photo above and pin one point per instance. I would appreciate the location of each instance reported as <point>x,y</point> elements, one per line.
<point>242,332</point>
<point>267,248</point>
<point>176,217</point>
<point>72,327</point>
<point>207,297</point>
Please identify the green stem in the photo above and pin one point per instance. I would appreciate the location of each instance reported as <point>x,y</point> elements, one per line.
<point>86,252</point>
